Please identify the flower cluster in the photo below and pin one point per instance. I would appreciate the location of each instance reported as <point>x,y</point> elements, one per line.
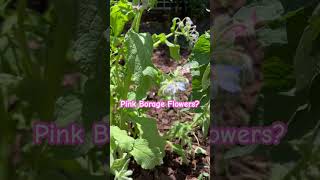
<point>192,31</point>
<point>187,27</point>
<point>171,87</point>
<point>174,86</point>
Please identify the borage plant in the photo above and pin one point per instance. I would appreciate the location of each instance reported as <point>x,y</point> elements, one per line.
<point>134,135</point>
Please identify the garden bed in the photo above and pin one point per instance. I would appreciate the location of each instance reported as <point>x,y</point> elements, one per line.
<point>173,168</point>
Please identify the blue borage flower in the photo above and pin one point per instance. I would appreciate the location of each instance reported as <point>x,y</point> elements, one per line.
<point>174,86</point>
<point>227,77</point>
<point>175,83</point>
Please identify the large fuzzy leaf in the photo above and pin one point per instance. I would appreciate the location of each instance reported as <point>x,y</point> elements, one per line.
<point>200,57</point>
<point>122,139</point>
<point>90,51</point>
<point>68,109</point>
<point>149,151</point>
<point>268,36</point>
<point>119,16</point>
<point>149,131</point>
<point>145,155</point>
<point>262,10</point>
<point>304,62</point>
<point>139,54</point>
<point>201,50</point>
<point>90,38</point>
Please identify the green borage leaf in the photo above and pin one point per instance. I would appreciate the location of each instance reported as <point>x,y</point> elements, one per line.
<point>201,50</point>
<point>174,50</point>
<point>145,155</point>
<point>148,130</point>
<point>122,139</point>
<point>120,14</point>
<point>304,61</point>
<point>140,48</point>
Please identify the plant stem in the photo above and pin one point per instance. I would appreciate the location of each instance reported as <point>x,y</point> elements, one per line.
<point>196,138</point>
<point>137,20</point>
<point>15,54</point>
<point>159,42</point>
<point>3,139</point>
<point>26,59</point>
<point>137,25</point>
